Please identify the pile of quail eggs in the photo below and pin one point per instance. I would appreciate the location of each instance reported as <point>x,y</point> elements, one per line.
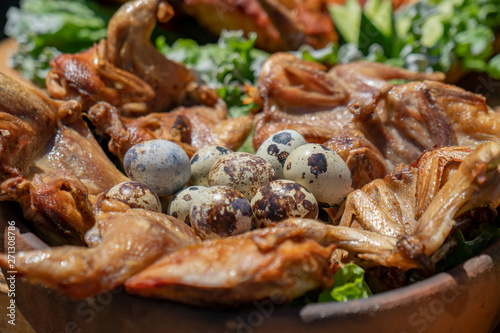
<point>232,192</point>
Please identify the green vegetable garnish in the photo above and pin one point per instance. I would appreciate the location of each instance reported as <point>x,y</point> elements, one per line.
<point>226,66</point>
<point>349,284</point>
<point>429,35</point>
<point>44,29</point>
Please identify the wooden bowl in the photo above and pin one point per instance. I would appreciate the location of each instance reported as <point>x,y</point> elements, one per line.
<point>464,299</point>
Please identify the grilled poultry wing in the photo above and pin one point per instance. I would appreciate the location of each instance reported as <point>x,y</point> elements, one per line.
<point>126,69</point>
<point>356,100</point>
<point>191,128</point>
<point>131,240</point>
<point>404,219</point>
<point>278,262</point>
<point>50,162</point>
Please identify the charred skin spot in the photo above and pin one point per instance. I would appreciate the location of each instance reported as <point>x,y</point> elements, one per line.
<point>317,163</point>
<point>282,138</point>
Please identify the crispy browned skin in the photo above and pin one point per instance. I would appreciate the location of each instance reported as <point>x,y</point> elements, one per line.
<point>192,128</point>
<point>301,22</point>
<point>59,166</point>
<point>265,263</point>
<point>404,219</point>
<point>416,116</point>
<point>400,121</point>
<point>27,123</point>
<point>131,241</point>
<point>325,107</point>
<point>248,15</point>
<point>126,69</point>
<point>303,96</point>
<point>364,160</point>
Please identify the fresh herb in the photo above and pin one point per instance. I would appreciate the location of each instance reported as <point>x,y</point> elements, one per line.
<point>476,242</point>
<point>225,66</point>
<point>44,29</point>
<point>349,284</point>
<point>429,35</point>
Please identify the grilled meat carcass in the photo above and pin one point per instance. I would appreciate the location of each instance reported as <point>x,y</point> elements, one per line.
<point>192,128</point>
<point>131,240</point>
<point>281,25</point>
<point>282,263</point>
<point>50,162</point>
<point>301,22</point>
<point>302,95</point>
<point>416,116</point>
<point>126,69</point>
<point>400,120</point>
<point>363,159</point>
<point>404,219</point>
<point>248,16</point>
<point>323,105</point>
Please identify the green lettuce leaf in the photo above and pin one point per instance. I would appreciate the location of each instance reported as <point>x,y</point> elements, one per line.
<point>225,66</point>
<point>349,284</point>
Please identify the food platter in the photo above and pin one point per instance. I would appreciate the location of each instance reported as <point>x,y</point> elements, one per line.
<point>464,299</point>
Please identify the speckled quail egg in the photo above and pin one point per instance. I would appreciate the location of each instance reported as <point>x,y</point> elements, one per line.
<point>180,205</point>
<point>202,162</point>
<point>322,171</point>
<point>220,211</point>
<point>136,195</point>
<point>278,146</point>
<point>281,199</point>
<point>243,171</point>
<point>161,164</point>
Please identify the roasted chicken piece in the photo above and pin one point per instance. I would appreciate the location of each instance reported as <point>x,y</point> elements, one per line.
<point>248,15</point>
<point>416,116</point>
<point>260,264</point>
<point>363,159</point>
<point>400,120</point>
<point>131,241</point>
<point>281,25</point>
<point>302,95</point>
<point>404,219</point>
<point>323,107</point>
<point>50,162</point>
<point>192,128</point>
<point>301,22</point>
<point>126,69</point>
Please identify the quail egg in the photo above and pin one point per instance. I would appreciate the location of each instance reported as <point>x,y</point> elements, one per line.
<point>180,205</point>
<point>281,199</point>
<point>322,171</point>
<point>243,171</point>
<point>278,146</point>
<point>136,195</point>
<point>220,211</point>
<point>161,164</point>
<point>202,162</point>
